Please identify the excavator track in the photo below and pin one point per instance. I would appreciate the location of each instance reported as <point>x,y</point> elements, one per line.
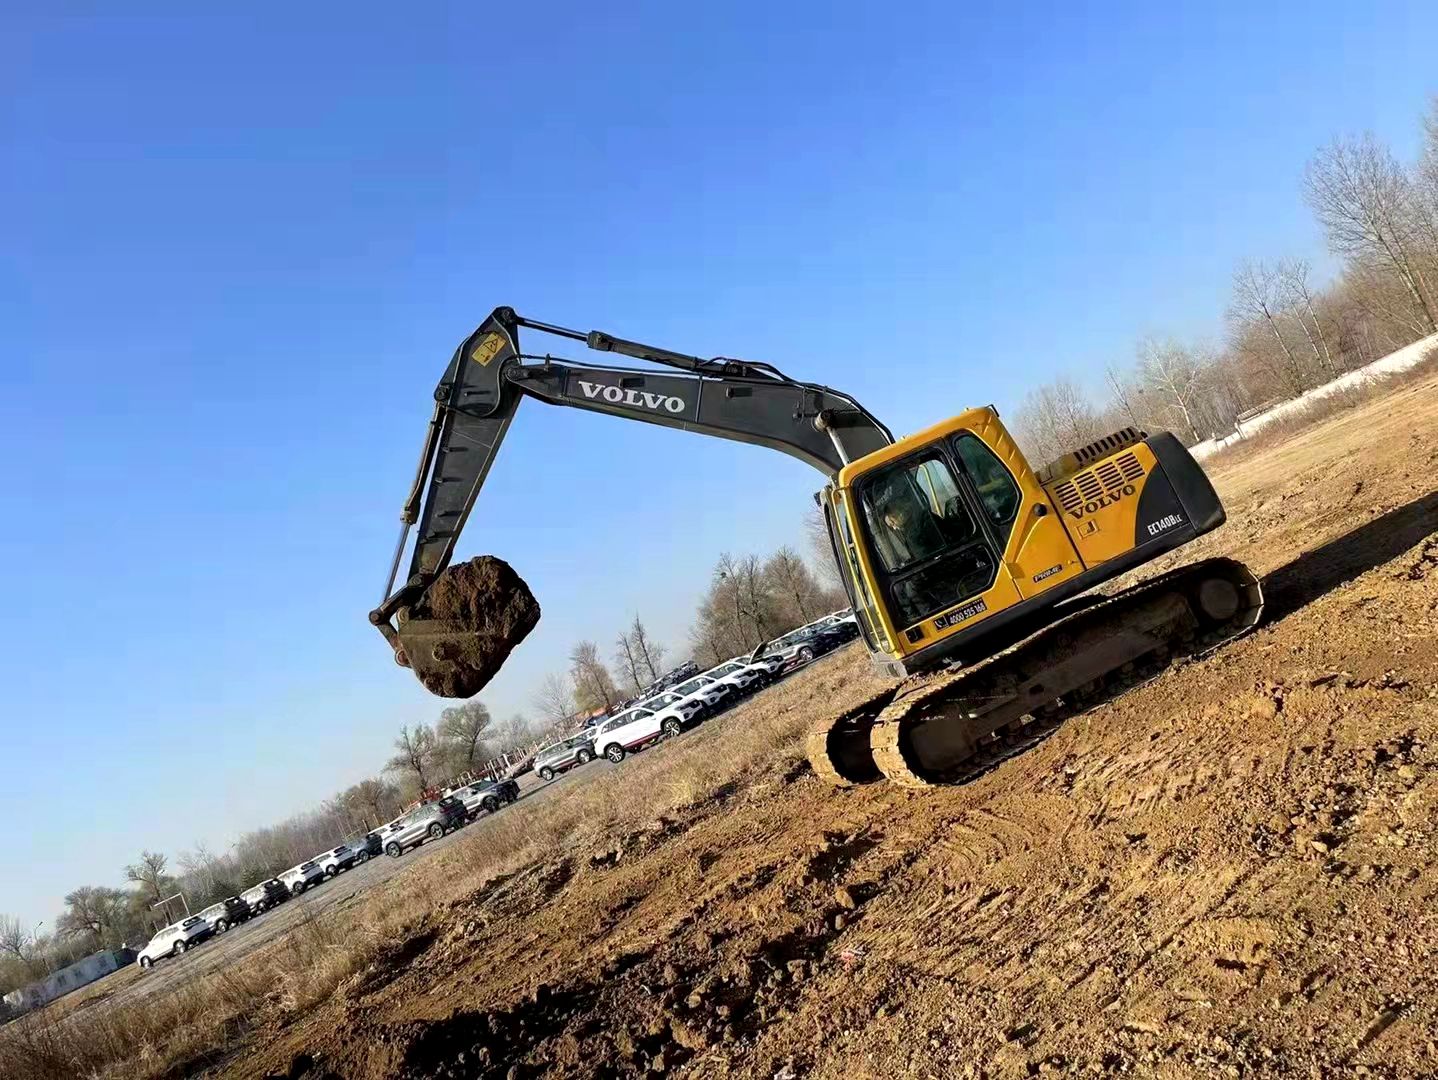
<point>951,726</point>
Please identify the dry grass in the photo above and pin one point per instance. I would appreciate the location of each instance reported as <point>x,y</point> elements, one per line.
<point>1340,402</point>
<point>196,1025</point>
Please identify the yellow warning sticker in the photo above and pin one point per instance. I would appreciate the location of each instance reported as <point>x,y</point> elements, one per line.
<point>488,347</point>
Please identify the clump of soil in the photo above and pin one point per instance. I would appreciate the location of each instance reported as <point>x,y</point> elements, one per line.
<point>460,634</point>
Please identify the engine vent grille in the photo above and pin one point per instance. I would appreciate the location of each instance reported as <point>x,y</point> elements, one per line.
<point>1107,445</point>
<point>1094,483</point>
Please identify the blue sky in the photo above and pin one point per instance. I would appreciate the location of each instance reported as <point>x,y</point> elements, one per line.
<point>238,250</point>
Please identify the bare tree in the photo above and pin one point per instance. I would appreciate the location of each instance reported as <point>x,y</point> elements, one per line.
<point>1368,208</point>
<point>639,658</point>
<point>1293,278</point>
<point>1124,394</point>
<point>741,581</point>
<point>93,911</point>
<point>1173,378</point>
<point>793,585</point>
<point>648,650</point>
<point>709,647</point>
<point>461,735</point>
<point>816,535</point>
<point>17,940</point>
<point>1056,418</point>
<point>201,867</point>
<point>627,659</point>
<point>512,734</point>
<point>374,799</point>
<point>149,872</point>
<point>554,700</point>
<point>1257,297</point>
<point>1426,185</point>
<point>593,685</point>
<point>415,756</point>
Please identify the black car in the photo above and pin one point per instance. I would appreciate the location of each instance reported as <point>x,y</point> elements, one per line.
<point>367,846</point>
<point>508,789</point>
<point>265,895</point>
<point>452,813</point>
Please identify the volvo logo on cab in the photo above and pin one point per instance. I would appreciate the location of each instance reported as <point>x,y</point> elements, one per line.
<point>619,395</point>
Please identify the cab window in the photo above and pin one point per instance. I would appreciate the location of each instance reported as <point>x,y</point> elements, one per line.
<point>930,551</point>
<point>914,511</point>
<point>995,487</point>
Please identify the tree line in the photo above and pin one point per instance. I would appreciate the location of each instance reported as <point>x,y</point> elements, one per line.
<point>1284,331</point>
<point>106,917</point>
<point>749,600</point>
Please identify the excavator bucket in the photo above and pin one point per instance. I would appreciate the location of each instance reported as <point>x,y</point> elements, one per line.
<point>459,633</point>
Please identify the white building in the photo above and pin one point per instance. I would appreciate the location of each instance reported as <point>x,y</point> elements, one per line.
<point>59,983</point>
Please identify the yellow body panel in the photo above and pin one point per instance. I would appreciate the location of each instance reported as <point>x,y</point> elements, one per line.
<point>1099,504</point>
<point>1037,552</point>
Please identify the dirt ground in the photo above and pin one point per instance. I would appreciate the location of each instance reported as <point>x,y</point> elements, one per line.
<point>1227,871</point>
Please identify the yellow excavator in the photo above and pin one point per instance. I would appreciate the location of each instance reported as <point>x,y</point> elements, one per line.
<point>970,571</point>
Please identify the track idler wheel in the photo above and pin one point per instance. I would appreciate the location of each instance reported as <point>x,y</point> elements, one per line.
<point>838,747</point>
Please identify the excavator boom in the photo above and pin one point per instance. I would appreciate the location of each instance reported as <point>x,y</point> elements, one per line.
<point>488,376</point>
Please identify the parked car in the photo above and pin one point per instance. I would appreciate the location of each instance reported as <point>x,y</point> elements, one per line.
<point>843,623</point>
<point>632,729</point>
<point>337,860</point>
<point>714,694</point>
<point>739,673</point>
<point>477,798</point>
<point>299,878</point>
<point>227,913</point>
<point>562,756</point>
<point>508,788</point>
<point>772,664</point>
<point>802,645</point>
<point>366,847</point>
<point>430,821</point>
<point>487,795</point>
<point>670,678</point>
<point>175,939</point>
<point>265,895</point>
<point>687,710</point>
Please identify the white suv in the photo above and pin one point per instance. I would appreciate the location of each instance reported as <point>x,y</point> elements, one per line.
<point>175,939</point>
<point>710,692</point>
<point>337,860</point>
<point>744,676</point>
<point>299,878</point>
<point>632,729</point>
<point>687,710</point>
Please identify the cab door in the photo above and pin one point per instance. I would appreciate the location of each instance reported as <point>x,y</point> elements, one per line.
<point>1037,551</point>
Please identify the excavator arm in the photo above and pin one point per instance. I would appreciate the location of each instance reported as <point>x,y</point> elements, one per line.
<point>489,375</point>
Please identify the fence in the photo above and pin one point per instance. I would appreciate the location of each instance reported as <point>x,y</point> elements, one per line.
<point>1409,356</point>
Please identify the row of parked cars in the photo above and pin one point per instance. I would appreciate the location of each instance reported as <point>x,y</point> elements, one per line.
<point>687,701</point>
<point>457,807</point>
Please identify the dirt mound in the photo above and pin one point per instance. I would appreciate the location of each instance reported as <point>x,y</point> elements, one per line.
<point>459,636</point>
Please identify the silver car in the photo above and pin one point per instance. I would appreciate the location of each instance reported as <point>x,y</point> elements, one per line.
<point>428,822</point>
<point>563,755</point>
